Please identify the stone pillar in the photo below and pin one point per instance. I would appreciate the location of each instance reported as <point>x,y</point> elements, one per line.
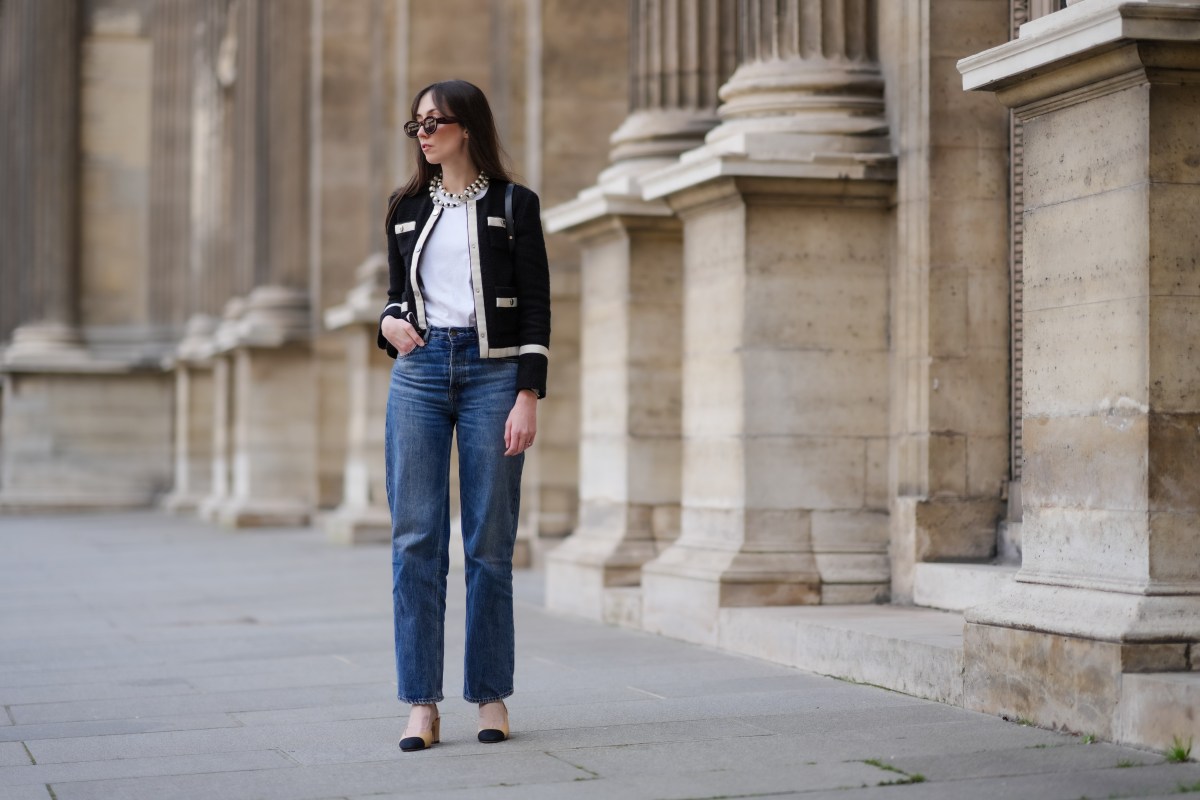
<point>39,181</point>
<point>211,281</point>
<point>363,515</point>
<point>273,479</point>
<point>631,307</point>
<point>949,304</point>
<point>172,29</point>
<point>78,432</point>
<point>201,241</point>
<point>194,387</point>
<point>785,352</point>
<point>273,431</point>
<point>221,480</point>
<point>1110,584</point>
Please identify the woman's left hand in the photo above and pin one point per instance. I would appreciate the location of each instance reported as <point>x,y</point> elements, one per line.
<point>521,426</point>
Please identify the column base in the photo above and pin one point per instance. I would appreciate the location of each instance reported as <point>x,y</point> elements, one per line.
<point>607,552</point>
<point>181,503</point>
<point>46,346</point>
<point>81,441</point>
<point>939,529</point>
<point>273,436</point>
<point>581,575</point>
<point>684,589</point>
<point>1056,655</point>
<point>253,513</point>
<point>523,554</point>
<point>353,525</point>
<point>1155,709</point>
<point>17,501</point>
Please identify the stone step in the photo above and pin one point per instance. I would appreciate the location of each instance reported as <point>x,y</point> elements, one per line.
<point>957,587</point>
<point>917,651</point>
<point>1157,707</point>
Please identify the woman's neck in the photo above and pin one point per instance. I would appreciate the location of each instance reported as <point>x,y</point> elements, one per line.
<point>459,175</point>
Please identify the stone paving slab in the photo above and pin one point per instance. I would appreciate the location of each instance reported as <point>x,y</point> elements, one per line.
<point>260,700</point>
<point>1065,784</point>
<point>1020,761</point>
<point>81,771</point>
<point>13,754</point>
<point>144,656</point>
<point>108,727</point>
<point>420,778</point>
<point>25,793</point>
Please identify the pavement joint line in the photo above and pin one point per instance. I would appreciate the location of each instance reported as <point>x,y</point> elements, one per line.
<point>11,719</point>
<point>592,774</point>
<point>288,756</point>
<point>50,790</point>
<point>29,753</point>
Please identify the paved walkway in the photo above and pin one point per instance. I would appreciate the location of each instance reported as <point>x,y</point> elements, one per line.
<point>143,656</point>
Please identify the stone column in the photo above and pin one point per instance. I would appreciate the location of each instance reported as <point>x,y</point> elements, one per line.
<point>575,59</point>
<point>274,423</point>
<point>681,53</point>
<point>194,409</point>
<point>949,317</point>
<point>222,402</point>
<point>785,352</point>
<point>631,307</point>
<point>172,29</point>
<point>363,515</point>
<point>1110,584</point>
<point>78,432</point>
<point>192,203</point>
<point>172,26</point>
<point>39,181</point>
<point>211,281</point>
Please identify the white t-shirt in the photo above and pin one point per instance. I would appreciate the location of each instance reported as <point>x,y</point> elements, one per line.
<point>445,271</point>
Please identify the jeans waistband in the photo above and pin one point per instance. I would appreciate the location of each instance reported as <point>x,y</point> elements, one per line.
<point>456,334</point>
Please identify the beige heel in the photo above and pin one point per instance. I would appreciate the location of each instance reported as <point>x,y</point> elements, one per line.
<point>494,735</point>
<point>425,739</point>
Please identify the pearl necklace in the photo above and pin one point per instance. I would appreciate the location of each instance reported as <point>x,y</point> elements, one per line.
<point>439,195</point>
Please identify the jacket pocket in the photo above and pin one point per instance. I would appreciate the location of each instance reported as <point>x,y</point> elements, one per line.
<point>497,237</point>
<point>406,234</point>
<point>506,311</point>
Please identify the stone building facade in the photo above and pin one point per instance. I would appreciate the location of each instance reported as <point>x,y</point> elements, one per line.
<point>874,321</point>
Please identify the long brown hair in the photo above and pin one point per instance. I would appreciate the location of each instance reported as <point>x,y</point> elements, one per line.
<point>466,103</point>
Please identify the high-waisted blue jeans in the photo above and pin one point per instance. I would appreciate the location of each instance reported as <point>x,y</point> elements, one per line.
<point>435,390</point>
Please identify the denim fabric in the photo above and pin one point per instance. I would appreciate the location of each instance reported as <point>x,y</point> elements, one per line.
<point>435,390</point>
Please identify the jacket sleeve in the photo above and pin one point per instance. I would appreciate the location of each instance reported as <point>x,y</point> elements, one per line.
<point>532,276</point>
<point>397,275</point>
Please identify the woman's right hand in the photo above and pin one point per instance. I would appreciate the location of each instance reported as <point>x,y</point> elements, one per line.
<point>401,334</point>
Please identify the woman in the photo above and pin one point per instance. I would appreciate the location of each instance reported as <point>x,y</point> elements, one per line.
<point>468,322</point>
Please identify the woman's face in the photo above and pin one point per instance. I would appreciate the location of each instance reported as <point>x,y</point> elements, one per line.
<point>445,145</point>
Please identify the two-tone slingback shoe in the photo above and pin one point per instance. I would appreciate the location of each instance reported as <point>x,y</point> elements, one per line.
<point>492,731</point>
<point>425,739</point>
